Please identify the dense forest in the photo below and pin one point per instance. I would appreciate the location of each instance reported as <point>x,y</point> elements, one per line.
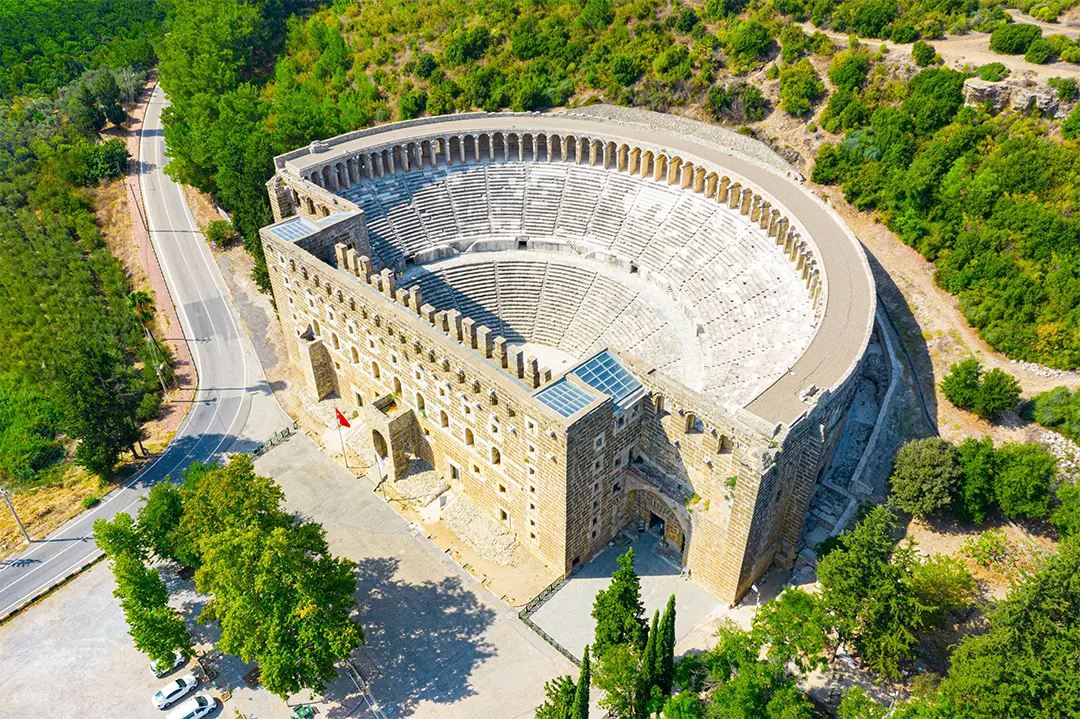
<point>946,178</point>
<point>75,362</point>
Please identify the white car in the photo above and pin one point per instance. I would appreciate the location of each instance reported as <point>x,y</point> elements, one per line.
<point>197,706</point>
<point>174,690</point>
<point>161,670</point>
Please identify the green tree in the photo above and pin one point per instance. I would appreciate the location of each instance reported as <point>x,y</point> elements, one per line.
<point>795,629</point>
<point>216,499</point>
<point>648,657</point>
<point>961,385</point>
<point>157,630</point>
<point>1028,662</point>
<point>865,587</point>
<point>1066,516</point>
<point>559,696</point>
<point>792,43</point>
<point>118,536</point>
<point>998,392</point>
<point>580,708</point>
<point>1025,474</point>
<point>281,600</point>
<point>857,704</point>
<point>748,43</point>
<point>618,610</point>
<point>160,517</point>
<point>665,653</point>
<point>926,474</point>
<point>978,465</point>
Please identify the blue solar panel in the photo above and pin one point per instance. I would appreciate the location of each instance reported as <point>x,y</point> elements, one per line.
<point>565,398</point>
<point>607,374</point>
<point>293,229</point>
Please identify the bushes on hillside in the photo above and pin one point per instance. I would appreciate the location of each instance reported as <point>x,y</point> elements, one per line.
<point>986,394</point>
<point>1058,409</point>
<point>925,477</point>
<point>923,54</point>
<point>1014,38</point>
<point>737,101</point>
<point>800,87</point>
<point>931,475</point>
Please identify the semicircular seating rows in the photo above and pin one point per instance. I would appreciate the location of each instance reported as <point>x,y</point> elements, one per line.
<point>751,306</point>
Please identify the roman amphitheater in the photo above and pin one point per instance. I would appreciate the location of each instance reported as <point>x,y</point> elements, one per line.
<point>582,322</point>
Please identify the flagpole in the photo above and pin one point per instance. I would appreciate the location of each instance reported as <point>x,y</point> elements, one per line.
<point>344,451</point>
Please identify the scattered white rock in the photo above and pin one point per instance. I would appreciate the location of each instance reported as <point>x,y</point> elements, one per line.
<point>477,530</point>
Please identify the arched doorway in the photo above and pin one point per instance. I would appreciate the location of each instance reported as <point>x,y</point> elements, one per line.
<point>382,450</point>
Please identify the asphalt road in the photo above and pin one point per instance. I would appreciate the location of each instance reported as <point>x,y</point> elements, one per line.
<point>229,377</point>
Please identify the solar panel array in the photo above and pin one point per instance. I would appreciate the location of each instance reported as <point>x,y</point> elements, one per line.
<point>293,229</point>
<point>606,373</point>
<point>565,398</point>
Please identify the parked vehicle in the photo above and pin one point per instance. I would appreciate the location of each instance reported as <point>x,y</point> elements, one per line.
<point>197,706</point>
<point>174,690</point>
<point>161,670</point>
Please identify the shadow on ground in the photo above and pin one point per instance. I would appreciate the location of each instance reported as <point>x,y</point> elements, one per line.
<point>442,618</point>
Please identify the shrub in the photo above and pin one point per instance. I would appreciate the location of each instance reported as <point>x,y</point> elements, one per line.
<point>749,42</point>
<point>978,464</point>
<point>793,43</point>
<point>1070,126</point>
<point>925,475</point>
<point>923,54</point>
<point>1066,516</point>
<point>673,64</point>
<point>737,101</point>
<point>425,65</point>
<point>998,392</point>
<point>625,69</point>
<point>1067,88</point>
<point>988,395</point>
<point>1014,38</point>
<point>149,407</point>
<point>961,385</point>
<point>1058,409</point>
<point>92,501</point>
<point>412,104</point>
<point>849,70</point>
<point>1039,52</point>
<point>221,233</point>
<point>993,72</point>
<point>989,549</point>
<point>943,584</point>
<point>1022,483</point>
<point>800,87</point>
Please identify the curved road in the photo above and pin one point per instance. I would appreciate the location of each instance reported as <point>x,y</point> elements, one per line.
<point>229,376</point>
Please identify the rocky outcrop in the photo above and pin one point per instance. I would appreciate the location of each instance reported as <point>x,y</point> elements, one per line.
<point>981,92</point>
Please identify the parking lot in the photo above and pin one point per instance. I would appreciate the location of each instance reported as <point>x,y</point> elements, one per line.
<point>438,644</point>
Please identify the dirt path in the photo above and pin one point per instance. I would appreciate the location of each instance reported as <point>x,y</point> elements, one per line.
<point>971,49</point>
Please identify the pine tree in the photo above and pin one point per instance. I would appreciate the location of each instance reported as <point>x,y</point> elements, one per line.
<point>618,610</point>
<point>580,707</point>
<point>558,699</point>
<point>665,649</point>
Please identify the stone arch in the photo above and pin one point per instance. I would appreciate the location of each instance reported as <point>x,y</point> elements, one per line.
<point>382,449</point>
<point>315,327</point>
<point>499,150</point>
<point>654,508</point>
<point>569,148</point>
<point>660,169</point>
<point>354,355</point>
<point>397,159</point>
<point>528,148</point>
<point>421,405</point>
<point>541,148</point>
<point>484,147</point>
<point>686,176</point>
<point>611,155</point>
<point>468,147</point>
<point>444,419</point>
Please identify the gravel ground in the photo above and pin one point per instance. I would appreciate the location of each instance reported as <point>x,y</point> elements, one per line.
<point>479,531</point>
<point>422,483</point>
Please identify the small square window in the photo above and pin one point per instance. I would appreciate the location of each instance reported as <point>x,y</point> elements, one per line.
<point>532,535</point>
<point>532,506</point>
<point>532,489</point>
<point>594,534</point>
<point>504,515</point>
<point>598,443</point>
<point>616,488</point>
<point>532,471</point>
<point>596,504</point>
<point>502,489</point>
<point>532,522</point>
<point>596,487</point>
<point>530,426</point>
<point>476,469</point>
<point>594,521</point>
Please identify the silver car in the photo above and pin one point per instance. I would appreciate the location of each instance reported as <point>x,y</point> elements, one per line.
<point>174,690</point>
<point>197,706</point>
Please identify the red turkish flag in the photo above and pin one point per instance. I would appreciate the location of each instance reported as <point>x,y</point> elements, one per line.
<point>341,418</point>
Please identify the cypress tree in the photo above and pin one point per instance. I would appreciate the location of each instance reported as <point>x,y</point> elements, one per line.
<point>580,707</point>
<point>618,611</point>
<point>665,649</point>
<point>653,645</point>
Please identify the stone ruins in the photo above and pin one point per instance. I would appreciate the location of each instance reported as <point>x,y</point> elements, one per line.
<point>581,323</point>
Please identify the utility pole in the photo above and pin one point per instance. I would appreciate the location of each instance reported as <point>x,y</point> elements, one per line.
<point>16,515</point>
<point>157,365</point>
